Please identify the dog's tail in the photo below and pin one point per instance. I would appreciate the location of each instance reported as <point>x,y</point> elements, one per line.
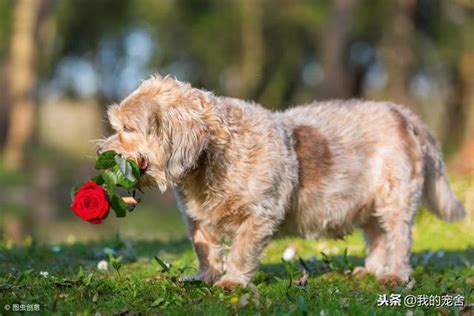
<point>437,194</point>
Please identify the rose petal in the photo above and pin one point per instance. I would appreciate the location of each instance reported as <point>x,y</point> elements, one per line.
<point>90,203</point>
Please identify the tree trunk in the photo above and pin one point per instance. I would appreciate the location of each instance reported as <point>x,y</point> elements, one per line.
<point>252,47</point>
<point>22,81</point>
<point>398,54</point>
<point>337,78</point>
<point>3,104</point>
<point>464,161</point>
<point>13,229</point>
<point>470,204</point>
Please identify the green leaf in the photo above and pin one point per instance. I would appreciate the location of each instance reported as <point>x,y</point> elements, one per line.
<point>302,305</point>
<point>98,179</point>
<point>74,190</point>
<point>126,168</point>
<point>124,182</point>
<point>166,267</point>
<point>115,262</point>
<point>157,302</point>
<point>24,275</point>
<point>121,163</point>
<point>88,279</point>
<point>303,264</point>
<point>122,179</point>
<point>106,160</point>
<point>80,273</point>
<point>135,169</point>
<point>289,271</point>
<point>118,205</point>
<point>111,180</point>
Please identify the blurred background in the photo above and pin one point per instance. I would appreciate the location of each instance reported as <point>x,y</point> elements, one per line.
<point>62,62</point>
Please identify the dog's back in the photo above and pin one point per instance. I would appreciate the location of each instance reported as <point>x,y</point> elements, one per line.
<point>242,172</point>
<point>352,155</point>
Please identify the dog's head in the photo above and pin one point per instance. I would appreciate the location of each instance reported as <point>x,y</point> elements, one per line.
<point>162,126</point>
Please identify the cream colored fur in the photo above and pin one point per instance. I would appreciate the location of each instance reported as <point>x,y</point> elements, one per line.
<point>244,173</point>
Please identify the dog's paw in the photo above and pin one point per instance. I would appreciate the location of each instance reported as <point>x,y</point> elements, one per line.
<point>229,285</point>
<point>360,271</point>
<point>188,278</point>
<point>208,277</point>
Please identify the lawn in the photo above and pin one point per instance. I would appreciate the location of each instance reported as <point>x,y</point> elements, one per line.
<point>144,276</point>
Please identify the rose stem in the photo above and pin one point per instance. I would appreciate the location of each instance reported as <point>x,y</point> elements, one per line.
<point>130,200</point>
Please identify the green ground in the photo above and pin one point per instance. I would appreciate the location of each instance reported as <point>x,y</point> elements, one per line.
<point>74,283</point>
<point>442,258</point>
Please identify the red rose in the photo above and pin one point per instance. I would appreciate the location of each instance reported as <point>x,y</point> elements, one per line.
<point>90,203</point>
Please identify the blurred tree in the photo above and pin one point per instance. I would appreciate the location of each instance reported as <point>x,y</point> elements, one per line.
<point>289,37</point>
<point>249,49</point>
<point>22,79</point>
<point>6,9</point>
<point>465,159</point>
<point>397,50</point>
<point>252,47</point>
<point>82,25</point>
<point>461,54</point>
<point>337,77</point>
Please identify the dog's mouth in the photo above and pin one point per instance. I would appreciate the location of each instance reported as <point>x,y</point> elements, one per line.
<point>143,164</point>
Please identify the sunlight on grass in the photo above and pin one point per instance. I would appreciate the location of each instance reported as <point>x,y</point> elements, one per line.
<point>65,277</point>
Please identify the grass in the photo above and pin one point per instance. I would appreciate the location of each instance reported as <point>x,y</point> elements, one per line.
<point>138,283</point>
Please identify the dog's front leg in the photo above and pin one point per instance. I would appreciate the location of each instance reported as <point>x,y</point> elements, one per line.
<point>249,242</point>
<point>207,246</point>
<point>208,250</point>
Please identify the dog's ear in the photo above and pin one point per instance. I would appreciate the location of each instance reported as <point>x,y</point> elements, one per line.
<point>188,137</point>
<point>153,122</point>
<point>114,119</point>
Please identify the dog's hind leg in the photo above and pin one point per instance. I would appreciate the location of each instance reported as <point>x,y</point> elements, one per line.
<point>396,215</point>
<point>376,240</point>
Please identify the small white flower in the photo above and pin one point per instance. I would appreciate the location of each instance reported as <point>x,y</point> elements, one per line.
<point>289,254</point>
<point>56,249</point>
<point>44,273</point>
<point>103,265</point>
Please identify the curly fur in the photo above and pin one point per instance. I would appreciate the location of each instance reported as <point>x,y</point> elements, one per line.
<point>245,173</point>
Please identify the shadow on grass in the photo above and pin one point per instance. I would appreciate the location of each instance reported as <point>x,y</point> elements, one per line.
<point>67,257</point>
<point>427,261</point>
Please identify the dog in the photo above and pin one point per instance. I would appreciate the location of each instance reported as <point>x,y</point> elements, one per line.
<point>243,173</point>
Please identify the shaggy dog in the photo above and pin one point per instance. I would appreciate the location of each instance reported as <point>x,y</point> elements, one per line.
<point>243,173</point>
